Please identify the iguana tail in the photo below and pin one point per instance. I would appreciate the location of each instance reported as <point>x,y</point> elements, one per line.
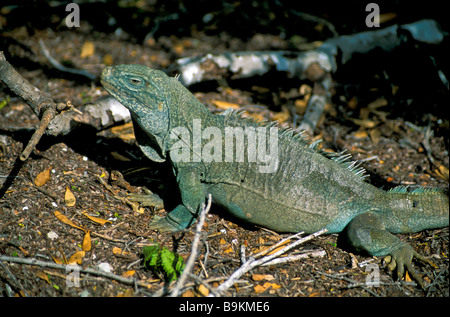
<point>413,211</point>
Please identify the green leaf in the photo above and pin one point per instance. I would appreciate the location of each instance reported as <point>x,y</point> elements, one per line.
<point>333,244</point>
<point>4,102</point>
<point>161,260</point>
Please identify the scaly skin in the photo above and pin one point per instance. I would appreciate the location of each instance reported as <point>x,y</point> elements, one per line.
<point>306,190</point>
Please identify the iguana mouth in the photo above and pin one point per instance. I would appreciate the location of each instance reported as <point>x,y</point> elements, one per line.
<point>106,85</point>
<point>113,91</point>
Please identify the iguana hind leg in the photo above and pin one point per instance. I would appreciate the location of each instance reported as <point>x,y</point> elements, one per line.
<point>366,232</point>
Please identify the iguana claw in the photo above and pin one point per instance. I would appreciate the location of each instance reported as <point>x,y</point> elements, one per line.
<point>401,258</point>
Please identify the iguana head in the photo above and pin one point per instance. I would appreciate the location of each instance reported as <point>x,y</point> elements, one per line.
<point>144,91</point>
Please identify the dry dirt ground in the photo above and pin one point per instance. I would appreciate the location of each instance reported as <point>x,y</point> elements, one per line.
<point>389,141</point>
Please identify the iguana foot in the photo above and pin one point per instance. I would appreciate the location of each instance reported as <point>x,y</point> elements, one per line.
<point>162,225</point>
<point>366,232</point>
<point>178,219</point>
<point>402,258</point>
<point>148,199</point>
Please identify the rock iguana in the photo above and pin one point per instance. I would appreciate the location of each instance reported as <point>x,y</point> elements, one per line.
<point>290,188</point>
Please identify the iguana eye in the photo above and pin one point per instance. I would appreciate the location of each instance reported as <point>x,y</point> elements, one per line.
<point>135,81</point>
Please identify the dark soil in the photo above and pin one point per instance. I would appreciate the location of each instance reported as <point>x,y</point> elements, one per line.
<point>392,149</point>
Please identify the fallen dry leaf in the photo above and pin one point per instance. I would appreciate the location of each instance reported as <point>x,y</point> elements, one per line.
<point>23,250</point>
<point>108,59</point>
<point>225,104</point>
<point>57,260</point>
<point>88,49</point>
<point>203,290</point>
<point>377,103</point>
<point>43,177</point>
<point>77,258</point>
<point>300,106</point>
<point>69,198</point>
<point>178,48</point>
<point>275,286</point>
<point>260,277</point>
<point>188,293</point>
<point>259,289</point>
<point>124,131</point>
<point>360,134</point>
<point>282,116</point>
<point>442,172</point>
<point>119,251</point>
<point>264,248</point>
<point>407,278</point>
<point>129,273</point>
<point>364,123</point>
<point>43,276</point>
<point>128,293</point>
<point>258,117</point>
<point>86,246</point>
<point>95,219</point>
<point>66,220</point>
<point>229,250</point>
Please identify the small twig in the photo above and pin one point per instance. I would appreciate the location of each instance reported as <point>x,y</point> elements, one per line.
<point>205,258</point>
<point>251,263</point>
<point>32,261</point>
<point>243,259</point>
<point>48,115</point>
<point>108,238</point>
<point>279,243</point>
<point>193,256</point>
<point>313,18</point>
<point>293,258</point>
<point>13,278</point>
<point>353,283</point>
<point>62,68</point>
<point>210,280</point>
<point>198,279</point>
<point>203,269</point>
<point>427,147</point>
<point>435,280</point>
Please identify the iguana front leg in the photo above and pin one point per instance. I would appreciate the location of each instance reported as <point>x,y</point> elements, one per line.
<point>186,213</point>
<point>366,232</point>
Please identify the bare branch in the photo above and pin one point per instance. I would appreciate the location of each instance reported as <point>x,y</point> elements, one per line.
<point>40,102</point>
<point>193,256</point>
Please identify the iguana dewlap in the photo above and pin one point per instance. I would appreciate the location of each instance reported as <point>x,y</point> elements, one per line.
<point>266,175</point>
